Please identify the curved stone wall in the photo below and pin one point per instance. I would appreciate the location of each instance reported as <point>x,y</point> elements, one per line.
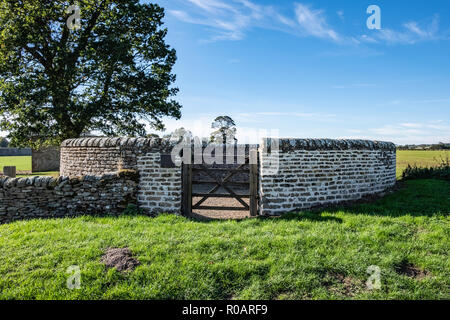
<point>305,173</point>
<point>159,189</point>
<point>294,173</point>
<point>96,156</point>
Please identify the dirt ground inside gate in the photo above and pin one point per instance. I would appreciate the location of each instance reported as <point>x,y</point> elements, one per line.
<point>220,214</point>
<point>219,202</point>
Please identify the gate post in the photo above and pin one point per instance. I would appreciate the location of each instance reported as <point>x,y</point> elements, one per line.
<point>9,171</point>
<point>253,183</point>
<point>186,206</point>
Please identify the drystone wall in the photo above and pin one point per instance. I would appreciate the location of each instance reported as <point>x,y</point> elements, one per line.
<point>47,197</point>
<point>294,173</point>
<point>305,173</point>
<point>45,159</point>
<point>159,188</point>
<point>15,152</point>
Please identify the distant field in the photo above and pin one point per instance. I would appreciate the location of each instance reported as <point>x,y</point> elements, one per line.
<point>419,157</point>
<point>21,163</point>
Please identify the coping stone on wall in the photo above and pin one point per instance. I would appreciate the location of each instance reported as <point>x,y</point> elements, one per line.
<point>123,143</point>
<point>47,181</point>
<point>290,145</point>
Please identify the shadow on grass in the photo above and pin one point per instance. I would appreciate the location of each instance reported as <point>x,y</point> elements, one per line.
<point>301,216</point>
<point>424,197</point>
<point>310,216</point>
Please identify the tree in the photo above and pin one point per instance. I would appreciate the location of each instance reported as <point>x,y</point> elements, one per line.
<point>4,142</point>
<point>181,134</point>
<point>225,130</point>
<point>110,75</point>
<point>152,136</point>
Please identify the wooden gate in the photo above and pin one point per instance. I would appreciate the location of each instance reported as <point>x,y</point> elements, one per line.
<point>224,186</point>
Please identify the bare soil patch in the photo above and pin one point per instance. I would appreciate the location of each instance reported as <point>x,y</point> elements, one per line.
<point>120,258</point>
<point>408,269</point>
<point>346,285</point>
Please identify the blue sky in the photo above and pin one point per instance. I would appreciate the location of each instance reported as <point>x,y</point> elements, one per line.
<point>313,69</point>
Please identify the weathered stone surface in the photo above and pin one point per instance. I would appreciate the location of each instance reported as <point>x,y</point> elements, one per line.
<point>156,180</point>
<point>92,157</point>
<point>310,171</point>
<point>47,197</point>
<point>308,178</point>
<point>153,143</point>
<point>9,171</point>
<point>291,144</point>
<point>45,159</point>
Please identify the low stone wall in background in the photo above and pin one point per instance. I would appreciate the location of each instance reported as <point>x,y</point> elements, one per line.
<point>45,159</point>
<point>15,152</point>
<point>47,197</point>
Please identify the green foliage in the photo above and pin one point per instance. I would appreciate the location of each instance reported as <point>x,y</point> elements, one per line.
<point>109,75</point>
<point>440,146</point>
<point>152,136</point>
<point>180,134</point>
<point>437,146</point>
<point>225,130</point>
<point>306,255</point>
<point>441,171</point>
<point>129,174</point>
<point>132,210</point>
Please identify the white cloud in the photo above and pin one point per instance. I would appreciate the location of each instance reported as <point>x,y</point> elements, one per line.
<point>288,114</point>
<point>411,33</point>
<point>412,125</point>
<point>232,19</point>
<point>211,6</point>
<point>313,23</point>
<point>397,102</point>
<point>405,133</point>
<point>201,127</point>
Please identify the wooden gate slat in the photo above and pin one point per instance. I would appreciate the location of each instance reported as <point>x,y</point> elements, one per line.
<point>224,183</point>
<point>220,208</point>
<point>214,182</point>
<point>218,195</point>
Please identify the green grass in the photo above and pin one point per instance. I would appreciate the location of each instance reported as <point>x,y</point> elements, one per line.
<point>299,256</point>
<point>421,158</point>
<point>21,163</point>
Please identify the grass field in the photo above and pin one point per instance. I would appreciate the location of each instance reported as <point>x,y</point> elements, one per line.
<point>307,255</point>
<point>419,157</point>
<point>21,163</point>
